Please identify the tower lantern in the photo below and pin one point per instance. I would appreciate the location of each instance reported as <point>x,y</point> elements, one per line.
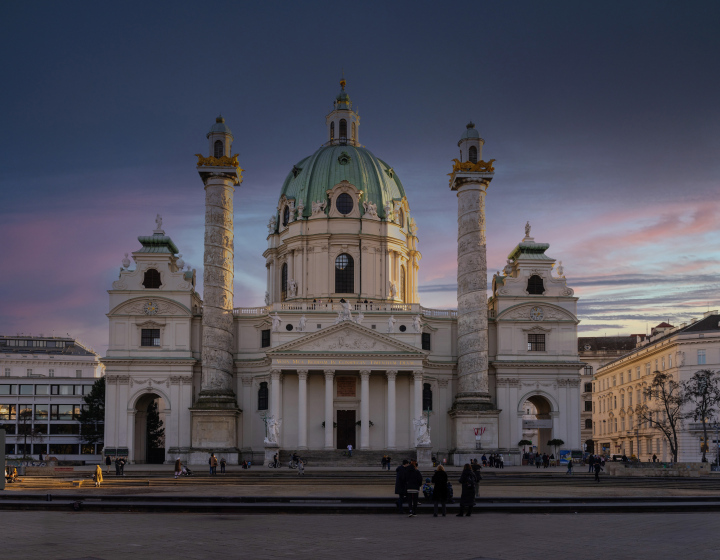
<point>343,123</point>
<point>220,139</point>
<point>471,144</point>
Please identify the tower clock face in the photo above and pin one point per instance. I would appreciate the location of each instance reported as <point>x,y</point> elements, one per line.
<point>150,308</point>
<point>536,313</point>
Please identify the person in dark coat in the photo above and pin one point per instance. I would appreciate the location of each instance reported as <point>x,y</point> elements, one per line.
<point>400,477</point>
<point>108,462</point>
<point>598,467</point>
<point>467,498</point>
<point>475,466</point>
<point>440,490</point>
<point>413,482</point>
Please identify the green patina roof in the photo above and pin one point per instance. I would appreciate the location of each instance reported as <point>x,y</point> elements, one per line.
<point>157,243</point>
<point>323,170</point>
<point>530,250</point>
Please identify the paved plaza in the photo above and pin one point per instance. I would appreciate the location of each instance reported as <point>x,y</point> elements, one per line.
<point>70,536</point>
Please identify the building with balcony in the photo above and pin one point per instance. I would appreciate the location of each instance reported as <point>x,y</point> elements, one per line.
<point>619,384</point>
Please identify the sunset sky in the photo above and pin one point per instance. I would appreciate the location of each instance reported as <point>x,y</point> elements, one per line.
<point>603,118</point>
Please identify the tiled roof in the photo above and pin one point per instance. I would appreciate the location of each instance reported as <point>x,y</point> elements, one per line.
<point>607,343</point>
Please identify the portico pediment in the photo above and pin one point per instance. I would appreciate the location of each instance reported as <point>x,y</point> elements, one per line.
<point>347,338</point>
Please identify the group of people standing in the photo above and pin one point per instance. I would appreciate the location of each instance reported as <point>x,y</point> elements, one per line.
<point>538,459</point>
<point>119,465</point>
<point>495,460</point>
<point>408,480</point>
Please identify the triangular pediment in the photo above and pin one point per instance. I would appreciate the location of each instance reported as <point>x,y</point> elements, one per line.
<point>346,338</point>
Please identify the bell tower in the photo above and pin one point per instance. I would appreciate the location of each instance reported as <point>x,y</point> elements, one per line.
<point>473,408</point>
<point>215,413</point>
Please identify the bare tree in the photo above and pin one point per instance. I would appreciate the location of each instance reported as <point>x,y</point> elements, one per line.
<point>665,413</point>
<point>703,392</point>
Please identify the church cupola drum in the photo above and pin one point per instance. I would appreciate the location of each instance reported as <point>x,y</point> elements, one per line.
<point>220,173</point>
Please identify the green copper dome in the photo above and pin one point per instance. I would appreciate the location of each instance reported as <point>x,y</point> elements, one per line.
<point>470,132</point>
<point>312,177</point>
<point>219,126</point>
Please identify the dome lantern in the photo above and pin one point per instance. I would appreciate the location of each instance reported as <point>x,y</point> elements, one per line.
<point>471,144</point>
<point>343,123</point>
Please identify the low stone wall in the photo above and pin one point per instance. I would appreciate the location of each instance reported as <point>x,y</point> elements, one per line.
<point>658,469</point>
<point>51,471</point>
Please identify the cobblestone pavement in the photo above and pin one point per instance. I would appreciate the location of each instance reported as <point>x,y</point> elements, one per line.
<point>75,536</point>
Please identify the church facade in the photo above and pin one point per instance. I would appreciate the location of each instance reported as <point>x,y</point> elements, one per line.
<point>341,352</point>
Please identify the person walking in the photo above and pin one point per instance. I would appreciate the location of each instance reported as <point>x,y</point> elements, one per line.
<point>400,478</point>
<point>213,462</point>
<point>570,466</point>
<point>178,467</point>
<point>591,462</point>
<point>440,490</point>
<point>223,462</point>
<point>598,468</point>
<point>108,462</point>
<point>467,483</point>
<point>413,482</point>
<point>387,462</point>
<point>122,466</point>
<point>538,460</point>
<point>349,448</point>
<point>300,467</point>
<point>98,476</point>
<point>117,466</point>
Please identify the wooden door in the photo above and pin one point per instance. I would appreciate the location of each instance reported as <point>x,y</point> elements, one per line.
<point>345,428</point>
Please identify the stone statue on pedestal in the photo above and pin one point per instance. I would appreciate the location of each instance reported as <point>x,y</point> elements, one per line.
<point>422,431</point>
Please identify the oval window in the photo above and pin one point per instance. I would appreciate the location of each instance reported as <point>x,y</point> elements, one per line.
<point>344,203</point>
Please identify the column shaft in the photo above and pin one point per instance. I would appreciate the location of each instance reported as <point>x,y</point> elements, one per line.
<point>391,374</point>
<point>329,375</point>
<point>365,409</point>
<point>302,408</point>
<point>417,394</point>
<point>275,393</point>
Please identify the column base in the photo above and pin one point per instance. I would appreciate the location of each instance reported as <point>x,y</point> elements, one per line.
<point>474,402</point>
<point>424,456</point>
<point>466,421</point>
<point>270,450</point>
<point>214,428</point>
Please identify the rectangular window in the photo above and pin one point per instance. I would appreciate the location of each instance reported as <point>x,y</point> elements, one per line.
<point>8,411</point>
<point>536,343</point>
<point>41,389</point>
<point>87,449</point>
<point>670,361</point>
<point>614,381</point>
<point>78,372</point>
<point>637,372</point>
<point>76,411</point>
<point>588,406</point>
<point>630,423</point>
<point>7,372</point>
<point>86,389</point>
<point>426,341</point>
<point>64,449</point>
<point>150,337</point>
<point>61,412</point>
<point>64,429</point>
<point>66,389</point>
<point>51,373</point>
<point>29,372</point>
<point>26,390</point>
<point>622,424</point>
<point>622,378</point>
<point>647,369</point>
<point>622,401</point>
<point>663,363</point>
<point>630,398</point>
<point>588,387</point>
<point>701,358</point>
<point>39,448</point>
<point>40,428</point>
<point>265,338</point>
<point>9,449</point>
<point>7,390</point>
<point>588,370</point>
<point>41,412</point>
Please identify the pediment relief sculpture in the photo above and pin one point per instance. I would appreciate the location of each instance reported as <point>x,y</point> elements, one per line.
<point>150,306</point>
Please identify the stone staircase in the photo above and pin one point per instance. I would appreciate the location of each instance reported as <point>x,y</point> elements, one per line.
<point>339,458</point>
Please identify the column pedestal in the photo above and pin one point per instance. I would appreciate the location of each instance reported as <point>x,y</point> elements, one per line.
<point>424,456</point>
<point>270,450</point>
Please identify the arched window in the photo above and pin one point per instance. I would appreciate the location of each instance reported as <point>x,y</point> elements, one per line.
<point>344,203</point>
<point>344,274</point>
<point>472,154</point>
<point>263,396</point>
<point>332,130</point>
<point>286,216</point>
<point>427,396</point>
<point>402,284</point>
<point>152,279</point>
<point>401,218</point>
<point>535,285</point>
<point>218,148</point>
<point>343,130</point>
<point>283,282</point>
<point>353,132</point>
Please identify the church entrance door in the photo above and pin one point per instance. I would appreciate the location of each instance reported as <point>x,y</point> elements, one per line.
<point>345,428</point>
